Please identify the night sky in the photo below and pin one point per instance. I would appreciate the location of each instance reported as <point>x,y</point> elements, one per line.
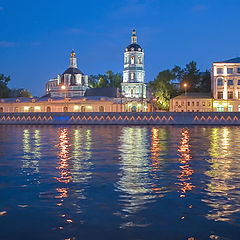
<point>37,36</point>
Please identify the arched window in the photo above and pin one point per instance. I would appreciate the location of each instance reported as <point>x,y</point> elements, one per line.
<point>1,109</point>
<point>48,109</point>
<point>65,109</point>
<point>139,60</point>
<point>132,76</point>
<point>220,82</point>
<point>132,59</point>
<point>101,108</point>
<point>126,60</point>
<point>83,109</point>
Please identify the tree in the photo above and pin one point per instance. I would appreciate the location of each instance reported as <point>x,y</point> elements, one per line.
<point>4,90</point>
<point>162,89</point>
<point>205,81</point>
<point>20,92</point>
<point>190,75</point>
<point>93,81</point>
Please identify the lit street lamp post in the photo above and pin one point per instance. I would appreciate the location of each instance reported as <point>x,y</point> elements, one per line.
<point>63,88</point>
<point>185,87</point>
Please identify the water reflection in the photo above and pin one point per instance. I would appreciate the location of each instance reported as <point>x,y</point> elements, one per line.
<point>134,184</point>
<point>63,167</point>
<point>31,151</point>
<point>158,145</point>
<point>184,158</point>
<point>222,196</point>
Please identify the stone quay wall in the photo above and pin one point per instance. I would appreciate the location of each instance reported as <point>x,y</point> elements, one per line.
<point>124,118</point>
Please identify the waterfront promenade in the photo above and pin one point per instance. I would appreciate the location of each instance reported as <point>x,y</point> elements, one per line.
<point>121,118</point>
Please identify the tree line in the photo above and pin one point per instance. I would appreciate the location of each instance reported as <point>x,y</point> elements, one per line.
<point>6,92</point>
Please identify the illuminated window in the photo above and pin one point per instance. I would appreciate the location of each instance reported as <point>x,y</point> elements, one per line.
<point>16,109</point>
<point>132,59</point>
<point>203,103</point>
<point>182,103</point>
<point>139,60</point>
<point>220,108</point>
<point>209,104</point>
<point>230,95</point>
<point>230,70</point>
<point>65,109</point>
<point>239,108</point>
<point>176,103</point>
<point>238,95</point>
<point>132,76</point>
<point>192,103</point>
<point>219,70</point>
<point>230,82</point>
<point>230,108</point>
<point>220,95</point>
<point>220,82</point>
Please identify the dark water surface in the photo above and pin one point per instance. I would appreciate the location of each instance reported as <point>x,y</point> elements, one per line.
<point>119,182</point>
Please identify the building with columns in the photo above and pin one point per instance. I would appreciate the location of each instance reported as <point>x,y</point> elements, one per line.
<point>72,83</point>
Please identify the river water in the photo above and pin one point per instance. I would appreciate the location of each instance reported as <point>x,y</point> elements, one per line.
<point>119,182</point>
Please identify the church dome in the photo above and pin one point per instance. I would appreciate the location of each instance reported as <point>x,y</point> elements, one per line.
<point>134,47</point>
<point>72,71</point>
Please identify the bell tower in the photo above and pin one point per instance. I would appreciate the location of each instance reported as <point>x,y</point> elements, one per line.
<point>133,85</point>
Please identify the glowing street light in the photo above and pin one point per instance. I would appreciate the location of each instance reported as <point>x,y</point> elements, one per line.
<point>185,87</point>
<point>63,87</point>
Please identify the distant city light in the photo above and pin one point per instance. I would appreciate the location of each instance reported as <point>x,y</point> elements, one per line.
<point>63,87</point>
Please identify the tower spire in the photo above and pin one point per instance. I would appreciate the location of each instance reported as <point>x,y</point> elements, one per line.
<point>134,37</point>
<point>73,60</point>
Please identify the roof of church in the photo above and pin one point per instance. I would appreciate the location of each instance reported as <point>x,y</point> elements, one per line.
<point>134,47</point>
<point>110,92</point>
<point>233,60</point>
<point>73,71</point>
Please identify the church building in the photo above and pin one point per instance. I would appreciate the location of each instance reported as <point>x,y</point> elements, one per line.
<point>72,83</point>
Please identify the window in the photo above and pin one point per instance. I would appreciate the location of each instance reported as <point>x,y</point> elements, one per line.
<point>220,82</point>
<point>197,104</point>
<point>65,109</point>
<point>230,95</point>
<point>126,60</point>
<point>238,81</point>
<point>182,103</point>
<point>238,70</point>
<point>176,103</point>
<point>192,103</point>
<point>16,109</point>
<point>238,95</point>
<point>220,108</point>
<point>48,109</point>
<point>220,95</point>
<point>230,70</point>
<point>230,82</point>
<point>219,70</point>
<point>209,104</point>
<point>132,76</point>
<point>230,108</point>
<point>203,103</point>
<point>132,59</point>
<point>239,108</point>
<point>188,103</point>
<point>139,60</point>
<point>1,110</point>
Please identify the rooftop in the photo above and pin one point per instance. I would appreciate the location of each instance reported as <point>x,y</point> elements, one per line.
<point>233,60</point>
<point>194,95</point>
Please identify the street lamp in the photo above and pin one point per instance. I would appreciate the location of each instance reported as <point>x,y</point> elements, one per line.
<point>185,87</point>
<point>63,88</point>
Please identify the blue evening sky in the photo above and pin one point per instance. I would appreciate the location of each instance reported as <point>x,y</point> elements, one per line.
<point>37,36</point>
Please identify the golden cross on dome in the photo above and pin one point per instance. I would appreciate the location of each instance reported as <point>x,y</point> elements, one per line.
<point>73,54</point>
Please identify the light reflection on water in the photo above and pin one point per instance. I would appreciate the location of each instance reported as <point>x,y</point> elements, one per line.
<point>60,169</point>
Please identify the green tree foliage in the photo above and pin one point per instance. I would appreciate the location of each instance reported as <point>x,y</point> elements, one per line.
<point>109,79</point>
<point>4,90</point>
<point>162,89</point>
<point>20,92</point>
<point>205,82</point>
